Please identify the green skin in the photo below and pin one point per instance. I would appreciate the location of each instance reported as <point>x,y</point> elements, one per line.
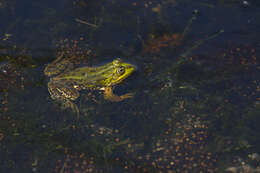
<point>66,84</point>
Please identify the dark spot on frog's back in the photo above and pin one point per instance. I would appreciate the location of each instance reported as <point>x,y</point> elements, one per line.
<point>105,74</point>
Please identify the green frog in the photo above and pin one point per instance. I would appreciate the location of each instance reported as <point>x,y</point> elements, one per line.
<point>66,81</point>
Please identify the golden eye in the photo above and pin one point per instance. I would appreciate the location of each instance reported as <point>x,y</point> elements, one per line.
<point>121,70</point>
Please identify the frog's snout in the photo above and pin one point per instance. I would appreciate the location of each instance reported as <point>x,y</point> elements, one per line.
<point>133,67</point>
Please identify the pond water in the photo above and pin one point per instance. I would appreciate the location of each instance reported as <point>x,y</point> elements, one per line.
<point>195,90</point>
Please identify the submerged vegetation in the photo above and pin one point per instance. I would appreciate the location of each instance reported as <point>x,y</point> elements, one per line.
<point>197,90</point>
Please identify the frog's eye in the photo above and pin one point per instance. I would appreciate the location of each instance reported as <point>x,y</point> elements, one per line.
<point>117,61</point>
<point>121,70</point>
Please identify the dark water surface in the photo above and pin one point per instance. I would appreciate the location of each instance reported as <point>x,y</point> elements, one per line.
<point>196,104</point>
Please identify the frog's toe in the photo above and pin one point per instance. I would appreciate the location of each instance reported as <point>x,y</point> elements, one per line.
<point>126,96</point>
<point>70,105</point>
<point>75,109</point>
<point>116,98</point>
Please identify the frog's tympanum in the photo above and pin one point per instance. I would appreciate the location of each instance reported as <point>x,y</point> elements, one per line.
<point>66,81</point>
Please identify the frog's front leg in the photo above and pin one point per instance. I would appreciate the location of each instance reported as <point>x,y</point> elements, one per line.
<point>109,95</point>
<point>64,94</point>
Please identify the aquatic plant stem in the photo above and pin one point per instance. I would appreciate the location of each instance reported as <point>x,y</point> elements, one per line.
<point>187,28</point>
<point>84,22</point>
<point>200,42</point>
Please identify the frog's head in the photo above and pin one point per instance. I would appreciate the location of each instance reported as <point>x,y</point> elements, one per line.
<point>121,71</point>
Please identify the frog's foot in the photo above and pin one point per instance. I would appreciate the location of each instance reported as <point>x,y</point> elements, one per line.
<point>64,94</point>
<point>109,95</point>
<point>67,104</point>
<point>58,66</point>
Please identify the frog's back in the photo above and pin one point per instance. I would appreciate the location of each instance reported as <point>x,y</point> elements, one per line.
<point>90,77</point>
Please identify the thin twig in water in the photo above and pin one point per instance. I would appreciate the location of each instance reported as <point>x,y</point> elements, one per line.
<point>84,22</point>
